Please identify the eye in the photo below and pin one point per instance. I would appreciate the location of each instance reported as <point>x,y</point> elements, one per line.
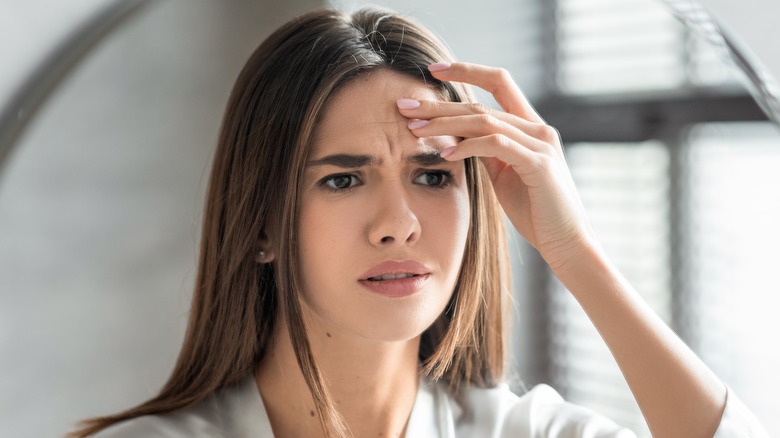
<point>435,179</point>
<point>340,182</point>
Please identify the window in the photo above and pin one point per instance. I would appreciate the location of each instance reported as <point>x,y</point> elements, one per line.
<point>684,206</point>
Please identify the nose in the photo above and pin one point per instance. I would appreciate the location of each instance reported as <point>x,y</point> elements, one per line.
<point>394,221</point>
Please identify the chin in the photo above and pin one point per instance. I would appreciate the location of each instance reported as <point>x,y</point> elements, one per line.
<point>399,320</point>
<point>379,319</point>
<point>400,332</point>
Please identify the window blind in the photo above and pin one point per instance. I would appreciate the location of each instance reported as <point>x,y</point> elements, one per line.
<point>625,190</point>
<point>618,46</point>
<point>625,48</point>
<point>733,192</point>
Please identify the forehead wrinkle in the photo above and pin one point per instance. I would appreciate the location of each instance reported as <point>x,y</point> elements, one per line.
<point>363,118</point>
<point>393,140</point>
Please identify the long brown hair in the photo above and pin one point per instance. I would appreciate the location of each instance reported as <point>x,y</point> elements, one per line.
<point>265,137</point>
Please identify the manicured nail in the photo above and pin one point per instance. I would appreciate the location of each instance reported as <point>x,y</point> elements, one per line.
<point>444,153</point>
<point>417,124</point>
<point>407,103</point>
<point>439,66</point>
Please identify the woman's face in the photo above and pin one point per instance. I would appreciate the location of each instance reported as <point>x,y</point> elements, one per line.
<point>383,219</point>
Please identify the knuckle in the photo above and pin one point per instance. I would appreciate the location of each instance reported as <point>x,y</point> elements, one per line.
<point>548,134</point>
<point>501,77</point>
<point>499,140</point>
<point>477,108</point>
<point>486,121</point>
<point>539,163</point>
<point>547,149</point>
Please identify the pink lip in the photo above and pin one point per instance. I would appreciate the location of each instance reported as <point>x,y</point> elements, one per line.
<point>400,287</point>
<point>391,267</point>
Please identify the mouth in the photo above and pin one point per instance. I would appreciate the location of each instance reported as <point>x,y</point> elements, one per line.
<point>392,270</point>
<point>386,277</point>
<point>396,279</point>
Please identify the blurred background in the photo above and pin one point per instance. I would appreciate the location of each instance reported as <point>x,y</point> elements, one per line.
<point>109,111</point>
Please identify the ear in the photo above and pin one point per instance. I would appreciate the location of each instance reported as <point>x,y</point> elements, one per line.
<point>264,252</point>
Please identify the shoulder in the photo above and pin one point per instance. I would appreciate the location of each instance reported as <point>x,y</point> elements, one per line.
<point>236,411</point>
<point>739,421</point>
<point>541,412</point>
<point>201,420</point>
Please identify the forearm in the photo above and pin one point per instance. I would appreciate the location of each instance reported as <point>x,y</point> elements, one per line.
<point>524,159</point>
<point>679,396</point>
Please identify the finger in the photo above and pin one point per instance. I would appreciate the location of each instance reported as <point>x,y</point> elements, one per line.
<point>422,111</point>
<point>497,146</point>
<point>494,167</point>
<point>482,125</point>
<point>496,81</point>
<point>429,109</point>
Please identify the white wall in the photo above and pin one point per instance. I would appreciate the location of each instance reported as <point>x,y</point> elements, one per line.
<point>492,32</point>
<point>755,24</point>
<point>31,29</point>
<point>100,210</point>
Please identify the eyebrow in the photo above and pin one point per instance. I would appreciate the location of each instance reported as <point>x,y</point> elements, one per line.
<point>343,160</point>
<point>427,158</point>
<point>348,161</point>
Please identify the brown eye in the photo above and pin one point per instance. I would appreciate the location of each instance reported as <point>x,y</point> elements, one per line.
<point>436,179</point>
<point>340,182</point>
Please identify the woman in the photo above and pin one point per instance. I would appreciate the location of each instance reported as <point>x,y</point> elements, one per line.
<point>353,242</point>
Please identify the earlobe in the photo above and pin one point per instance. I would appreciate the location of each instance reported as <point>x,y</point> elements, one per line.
<point>264,252</point>
<point>264,256</point>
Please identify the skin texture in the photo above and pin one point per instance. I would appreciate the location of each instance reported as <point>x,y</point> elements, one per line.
<point>390,210</point>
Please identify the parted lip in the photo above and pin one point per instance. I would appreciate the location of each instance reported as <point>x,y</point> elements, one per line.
<point>395,268</point>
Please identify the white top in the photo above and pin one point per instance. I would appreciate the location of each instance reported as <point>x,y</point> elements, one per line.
<point>238,412</point>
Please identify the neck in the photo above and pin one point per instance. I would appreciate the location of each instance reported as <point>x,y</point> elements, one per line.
<point>373,383</point>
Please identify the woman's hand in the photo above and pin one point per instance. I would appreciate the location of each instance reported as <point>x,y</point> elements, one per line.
<point>678,394</point>
<point>523,156</point>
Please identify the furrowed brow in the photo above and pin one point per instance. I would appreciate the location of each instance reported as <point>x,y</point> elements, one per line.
<point>426,159</point>
<point>344,160</point>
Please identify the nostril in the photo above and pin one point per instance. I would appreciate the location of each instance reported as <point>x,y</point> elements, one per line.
<point>388,239</point>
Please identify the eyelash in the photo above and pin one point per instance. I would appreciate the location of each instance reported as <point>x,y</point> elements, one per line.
<point>444,174</point>
<point>325,182</point>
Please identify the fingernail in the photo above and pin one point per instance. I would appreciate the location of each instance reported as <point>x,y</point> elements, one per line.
<point>407,103</point>
<point>444,153</point>
<point>417,124</point>
<point>439,66</point>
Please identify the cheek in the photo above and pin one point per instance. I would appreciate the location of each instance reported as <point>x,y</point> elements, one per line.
<point>448,225</point>
<point>324,231</point>
<point>327,239</point>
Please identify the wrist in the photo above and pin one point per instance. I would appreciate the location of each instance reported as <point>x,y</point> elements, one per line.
<point>584,263</point>
<point>565,258</point>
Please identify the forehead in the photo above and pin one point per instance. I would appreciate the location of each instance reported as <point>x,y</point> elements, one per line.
<point>364,113</point>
